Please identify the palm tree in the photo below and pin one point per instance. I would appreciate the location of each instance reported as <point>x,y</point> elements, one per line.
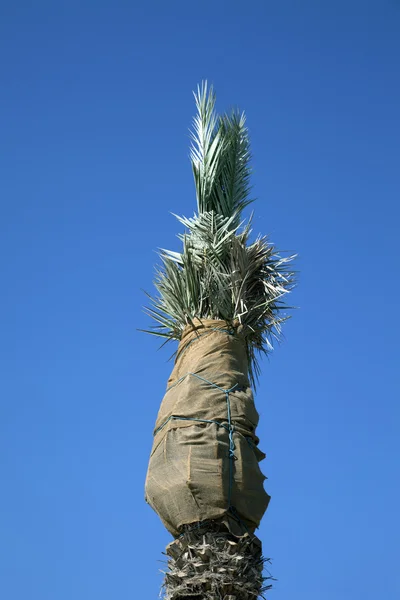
<point>222,298</point>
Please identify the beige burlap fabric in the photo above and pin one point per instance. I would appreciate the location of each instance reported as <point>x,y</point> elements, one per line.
<point>204,460</point>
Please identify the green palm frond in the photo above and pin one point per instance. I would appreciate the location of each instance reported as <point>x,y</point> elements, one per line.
<point>220,274</point>
<point>207,146</point>
<point>233,188</point>
<point>220,156</point>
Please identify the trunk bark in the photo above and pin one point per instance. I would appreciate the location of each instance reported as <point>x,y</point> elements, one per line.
<point>208,562</point>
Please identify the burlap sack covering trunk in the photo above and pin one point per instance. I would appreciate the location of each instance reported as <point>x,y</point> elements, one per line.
<point>204,461</point>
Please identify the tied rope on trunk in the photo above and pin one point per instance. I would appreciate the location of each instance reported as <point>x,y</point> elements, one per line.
<point>230,427</point>
<point>187,482</point>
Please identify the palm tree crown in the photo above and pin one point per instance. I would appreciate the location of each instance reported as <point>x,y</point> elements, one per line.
<point>221,273</point>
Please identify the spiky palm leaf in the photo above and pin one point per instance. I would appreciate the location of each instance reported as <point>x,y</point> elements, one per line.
<point>220,158</point>
<point>219,274</point>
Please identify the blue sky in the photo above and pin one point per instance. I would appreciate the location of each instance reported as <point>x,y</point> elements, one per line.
<point>95,106</point>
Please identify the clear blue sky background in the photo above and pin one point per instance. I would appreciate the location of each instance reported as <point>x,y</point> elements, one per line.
<point>95,106</point>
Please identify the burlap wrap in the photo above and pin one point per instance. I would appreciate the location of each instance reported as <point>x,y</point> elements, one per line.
<point>191,477</point>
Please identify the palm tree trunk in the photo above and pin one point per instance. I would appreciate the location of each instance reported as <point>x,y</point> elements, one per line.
<point>203,478</point>
<point>207,562</point>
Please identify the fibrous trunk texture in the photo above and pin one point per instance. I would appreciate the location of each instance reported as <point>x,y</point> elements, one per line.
<point>207,562</point>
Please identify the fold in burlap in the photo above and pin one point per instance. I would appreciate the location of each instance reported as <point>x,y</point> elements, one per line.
<point>191,477</point>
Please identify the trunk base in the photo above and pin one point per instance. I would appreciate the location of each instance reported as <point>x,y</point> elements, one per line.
<point>207,563</point>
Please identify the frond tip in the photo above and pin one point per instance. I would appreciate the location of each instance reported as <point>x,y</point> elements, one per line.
<point>220,156</point>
